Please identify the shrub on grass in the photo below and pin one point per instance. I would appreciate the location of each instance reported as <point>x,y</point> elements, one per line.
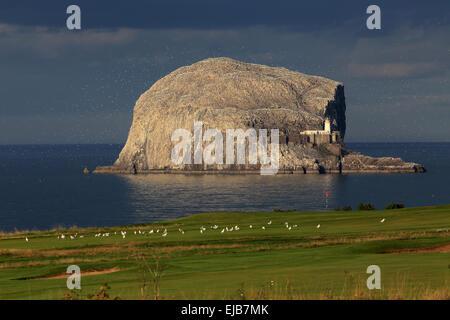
<point>366,206</point>
<point>102,294</point>
<point>394,205</point>
<point>281,210</point>
<point>344,208</point>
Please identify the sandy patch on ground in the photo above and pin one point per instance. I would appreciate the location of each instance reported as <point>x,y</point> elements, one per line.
<point>85,273</point>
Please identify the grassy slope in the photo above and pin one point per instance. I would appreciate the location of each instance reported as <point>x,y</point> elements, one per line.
<point>304,262</point>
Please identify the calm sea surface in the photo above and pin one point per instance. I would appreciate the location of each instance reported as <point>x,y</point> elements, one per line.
<point>42,186</point>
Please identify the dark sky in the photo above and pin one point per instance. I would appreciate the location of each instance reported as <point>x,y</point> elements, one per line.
<point>62,86</point>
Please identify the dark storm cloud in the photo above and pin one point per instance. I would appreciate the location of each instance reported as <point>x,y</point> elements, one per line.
<point>207,14</point>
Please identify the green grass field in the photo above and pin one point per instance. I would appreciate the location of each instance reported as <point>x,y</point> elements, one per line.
<point>412,248</point>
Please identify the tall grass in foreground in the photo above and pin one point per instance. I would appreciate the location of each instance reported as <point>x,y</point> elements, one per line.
<point>151,272</point>
<point>285,291</point>
<point>352,290</point>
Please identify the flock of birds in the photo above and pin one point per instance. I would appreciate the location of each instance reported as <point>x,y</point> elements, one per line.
<point>164,232</point>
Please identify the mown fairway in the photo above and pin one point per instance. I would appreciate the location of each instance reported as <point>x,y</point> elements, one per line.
<point>412,248</point>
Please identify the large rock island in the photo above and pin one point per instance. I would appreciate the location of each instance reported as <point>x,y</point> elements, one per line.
<point>222,93</point>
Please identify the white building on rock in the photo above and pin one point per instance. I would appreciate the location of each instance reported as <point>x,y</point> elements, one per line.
<point>322,136</point>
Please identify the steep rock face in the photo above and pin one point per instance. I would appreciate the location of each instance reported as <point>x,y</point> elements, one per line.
<point>228,94</point>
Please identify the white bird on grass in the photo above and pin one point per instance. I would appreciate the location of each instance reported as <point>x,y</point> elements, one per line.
<point>264,228</point>
<point>251,226</point>
<point>26,239</point>
<point>383,220</point>
<point>223,230</point>
<point>318,226</point>
<point>270,222</point>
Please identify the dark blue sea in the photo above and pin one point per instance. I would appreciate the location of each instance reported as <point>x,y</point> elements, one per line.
<point>42,187</point>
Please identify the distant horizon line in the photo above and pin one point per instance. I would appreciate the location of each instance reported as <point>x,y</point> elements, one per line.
<point>123,143</point>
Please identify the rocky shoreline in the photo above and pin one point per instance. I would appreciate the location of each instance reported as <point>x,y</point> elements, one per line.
<point>115,170</point>
<point>358,164</point>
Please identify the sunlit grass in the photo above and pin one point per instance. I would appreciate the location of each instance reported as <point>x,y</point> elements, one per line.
<point>411,247</point>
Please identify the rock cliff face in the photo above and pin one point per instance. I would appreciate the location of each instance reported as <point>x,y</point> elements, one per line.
<point>227,94</point>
